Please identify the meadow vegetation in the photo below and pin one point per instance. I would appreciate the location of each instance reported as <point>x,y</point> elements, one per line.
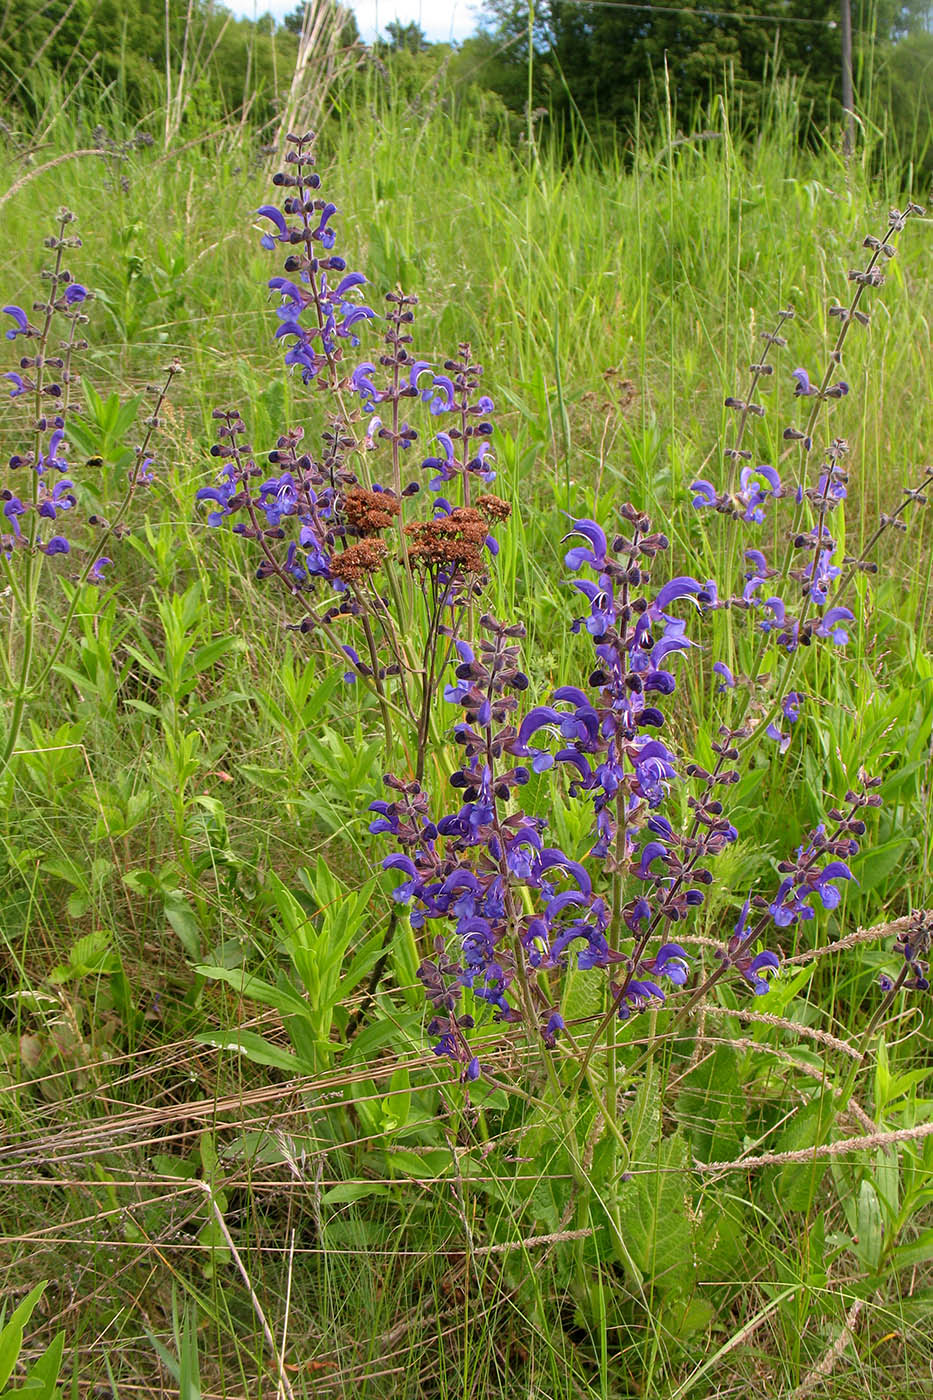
<point>227,1145</point>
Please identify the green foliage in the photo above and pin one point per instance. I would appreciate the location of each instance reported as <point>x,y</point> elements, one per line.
<point>317,940</point>
<point>40,1380</point>
<point>614,69</point>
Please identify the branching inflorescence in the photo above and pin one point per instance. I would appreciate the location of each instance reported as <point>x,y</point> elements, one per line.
<point>378,587</point>
<point>395,598</point>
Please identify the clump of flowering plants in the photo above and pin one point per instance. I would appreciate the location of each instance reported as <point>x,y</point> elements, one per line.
<point>38,493</point>
<point>392,589</point>
<point>381,587</point>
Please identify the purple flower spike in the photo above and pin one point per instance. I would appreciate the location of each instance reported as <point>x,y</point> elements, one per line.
<point>652,851</point>
<point>56,545</point>
<point>363,384</point>
<point>778,737</point>
<point>419,368</point>
<point>829,625</point>
<point>75,294</point>
<point>352,279</point>
<point>96,574</point>
<point>828,893</point>
<point>671,962</point>
<point>681,587</point>
<point>553,1028</point>
<point>444,401</point>
<point>639,994</point>
<point>19,384</point>
<point>791,706</point>
<point>728,679</point>
<point>269,211</point>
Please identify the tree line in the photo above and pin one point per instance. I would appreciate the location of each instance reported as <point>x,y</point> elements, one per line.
<point>604,68</point>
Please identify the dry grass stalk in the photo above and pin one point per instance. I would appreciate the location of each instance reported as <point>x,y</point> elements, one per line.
<point>764,1018</point>
<point>861,935</point>
<point>284,1382</point>
<point>320,62</point>
<point>825,1366</point>
<point>865,1143</point>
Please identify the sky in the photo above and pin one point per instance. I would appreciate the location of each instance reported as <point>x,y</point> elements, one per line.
<point>440,19</point>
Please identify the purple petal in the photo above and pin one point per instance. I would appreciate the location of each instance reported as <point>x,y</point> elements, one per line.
<point>352,279</point>
<point>21,319</point>
<point>682,587</point>
<point>269,211</point>
<point>706,493</point>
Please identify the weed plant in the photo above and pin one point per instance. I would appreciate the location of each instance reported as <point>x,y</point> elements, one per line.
<point>230,1144</point>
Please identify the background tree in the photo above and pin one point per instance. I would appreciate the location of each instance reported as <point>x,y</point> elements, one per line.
<point>407,38</point>
<point>606,63</point>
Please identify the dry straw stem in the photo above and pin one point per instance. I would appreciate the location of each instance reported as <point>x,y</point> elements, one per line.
<point>284,1382</point>
<point>49,165</point>
<point>861,935</point>
<point>826,1364</point>
<point>320,61</point>
<point>764,1018</point>
<point>865,1143</point>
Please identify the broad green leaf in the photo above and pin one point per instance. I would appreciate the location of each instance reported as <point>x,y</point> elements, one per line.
<point>285,1000</point>
<point>255,1048</point>
<point>796,1183</point>
<point>919,1251</point>
<point>653,1216</point>
<point>11,1338</point>
<point>41,1378</point>
<point>184,922</point>
<point>354,1191</point>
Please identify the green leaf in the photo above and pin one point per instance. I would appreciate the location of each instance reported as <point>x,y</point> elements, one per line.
<point>184,922</point>
<point>183,1168</point>
<point>285,1000</point>
<point>42,1376</point>
<point>371,1039</point>
<point>870,1233</point>
<point>255,1048</point>
<point>919,1251</point>
<point>884,859</point>
<point>795,1184</point>
<point>712,1106</point>
<point>653,1216</point>
<point>266,779</point>
<point>645,1118</point>
<point>362,963</point>
<point>353,1191</point>
<point>585,994</point>
<point>682,1319</point>
<point>428,1164</point>
<point>11,1338</point>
